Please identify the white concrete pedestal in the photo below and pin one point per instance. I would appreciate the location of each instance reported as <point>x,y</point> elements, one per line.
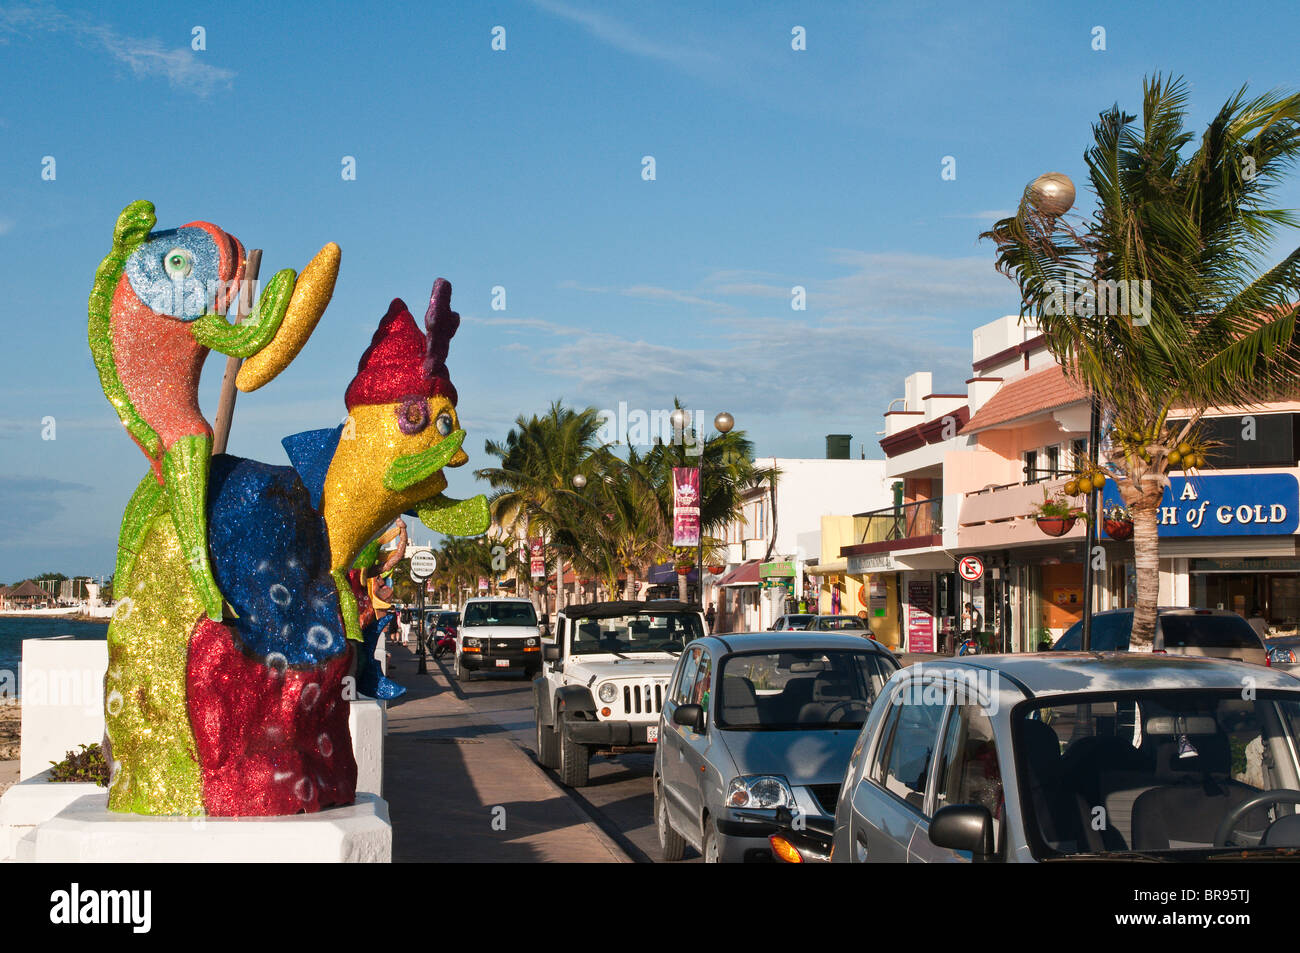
<point>86,832</point>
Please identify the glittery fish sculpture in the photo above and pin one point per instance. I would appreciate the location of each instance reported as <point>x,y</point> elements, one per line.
<point>387,457</point>
<point>157,307</point>
<point>249,716</point>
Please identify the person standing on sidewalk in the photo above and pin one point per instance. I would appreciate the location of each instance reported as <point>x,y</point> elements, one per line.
<point>711,615</point>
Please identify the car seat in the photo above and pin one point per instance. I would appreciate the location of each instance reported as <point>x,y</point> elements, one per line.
<point>1198,793</point>
<point>738,702</point>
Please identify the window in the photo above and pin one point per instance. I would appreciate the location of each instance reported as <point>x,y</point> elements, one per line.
<point>703,683</point>
<point>1031,466</point>
<point>1053,461</point>
<point>682,691</point>
<point>969,772</point>
<point>910,738</point>
<point>1078,453</point>
<point>798,689</point>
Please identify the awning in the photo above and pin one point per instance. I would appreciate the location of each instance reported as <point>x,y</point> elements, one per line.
<point>828,568</point>
<point>746,574</point>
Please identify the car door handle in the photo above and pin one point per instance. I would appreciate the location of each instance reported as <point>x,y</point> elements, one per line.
<point>860,855</point>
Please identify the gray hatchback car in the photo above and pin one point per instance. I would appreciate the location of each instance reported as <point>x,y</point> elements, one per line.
<point>757,722</point>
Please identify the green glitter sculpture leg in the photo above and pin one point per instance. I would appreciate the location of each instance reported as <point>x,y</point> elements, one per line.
<point>135,522</point>
<point>185,472</point>
<point>155,761</point>
<point>348,605</point>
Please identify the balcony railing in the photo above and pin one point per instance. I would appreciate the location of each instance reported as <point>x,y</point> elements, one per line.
<point>906,521</point>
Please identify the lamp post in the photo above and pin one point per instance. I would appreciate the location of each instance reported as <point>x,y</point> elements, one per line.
<point>722,423</point>
<point>1052,194</point>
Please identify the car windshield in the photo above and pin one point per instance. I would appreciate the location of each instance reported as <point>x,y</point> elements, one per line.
<point>799,689</point>
<point>1227,631</point>
<point>1181,773</point>
<point>798,621</point>
<point>641,632</point>
<point>500,613</point>
<point>837,622</point>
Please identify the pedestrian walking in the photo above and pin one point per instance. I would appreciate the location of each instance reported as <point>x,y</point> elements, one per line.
<point>404,624</point>
<point>711,615</point>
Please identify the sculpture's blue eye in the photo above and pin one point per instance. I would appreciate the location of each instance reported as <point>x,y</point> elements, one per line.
<point>444,424</point>
<point>178,263</point>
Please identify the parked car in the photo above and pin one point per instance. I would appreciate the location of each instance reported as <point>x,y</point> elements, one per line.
<point>1060,756</point>
<point>1216,633</point>
<point>605,672</point>
<point>499,635</point>
<point>793,623</point>
<point>754,723</point>
<point>840,623</point>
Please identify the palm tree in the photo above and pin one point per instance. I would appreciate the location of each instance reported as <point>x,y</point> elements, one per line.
<point>533,483</point>
<point>1218,326</point>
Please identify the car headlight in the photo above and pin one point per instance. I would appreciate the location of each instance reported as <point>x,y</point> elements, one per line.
<point>530,641</point>
<point>759,791</point>
<point>1281,656</point>
<point>473,642</point>
<point>608,692</point>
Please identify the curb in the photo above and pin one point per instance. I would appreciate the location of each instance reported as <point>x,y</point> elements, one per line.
<point>617,854</point>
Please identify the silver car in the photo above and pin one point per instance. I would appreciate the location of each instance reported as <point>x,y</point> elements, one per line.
<point>1061,756</point>
<point>757,722</point>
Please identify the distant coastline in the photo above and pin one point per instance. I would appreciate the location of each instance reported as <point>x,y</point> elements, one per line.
<point>72,614</point>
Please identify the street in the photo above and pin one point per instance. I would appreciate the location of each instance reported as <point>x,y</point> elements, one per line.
<point>618,799</point>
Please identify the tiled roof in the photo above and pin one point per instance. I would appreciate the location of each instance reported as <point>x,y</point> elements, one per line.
<point>1036,393</point>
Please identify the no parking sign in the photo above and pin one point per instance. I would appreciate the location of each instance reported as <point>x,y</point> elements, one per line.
<point>970,568</point>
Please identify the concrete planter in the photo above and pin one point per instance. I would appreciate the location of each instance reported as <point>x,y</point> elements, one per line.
<point>33,801</point>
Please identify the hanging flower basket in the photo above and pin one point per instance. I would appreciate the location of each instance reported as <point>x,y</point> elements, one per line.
<point>1056,525</point>
<point>1056,516</point>
<point>716,569</point>
<point>684,568</point>
<point>1118,529</point>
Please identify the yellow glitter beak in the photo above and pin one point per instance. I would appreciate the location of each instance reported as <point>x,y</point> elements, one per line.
<point>311,295</point>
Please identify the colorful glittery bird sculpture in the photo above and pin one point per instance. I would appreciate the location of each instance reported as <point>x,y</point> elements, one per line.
<point>249,715</point>
<point>157,307</point>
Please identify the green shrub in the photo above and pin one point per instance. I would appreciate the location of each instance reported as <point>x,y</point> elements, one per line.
<point>88,764</point>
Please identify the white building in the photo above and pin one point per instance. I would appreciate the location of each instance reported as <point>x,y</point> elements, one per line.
<point>780,531</point>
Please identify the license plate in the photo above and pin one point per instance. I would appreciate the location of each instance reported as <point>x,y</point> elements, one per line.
<point>503,663</point>
<point>652,734</point>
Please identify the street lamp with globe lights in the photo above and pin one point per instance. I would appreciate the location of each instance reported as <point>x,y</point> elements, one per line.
<point>723,423</point>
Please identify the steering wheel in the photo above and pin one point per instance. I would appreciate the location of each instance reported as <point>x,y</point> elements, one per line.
<point>1229,823</point>
<point>851,703</point>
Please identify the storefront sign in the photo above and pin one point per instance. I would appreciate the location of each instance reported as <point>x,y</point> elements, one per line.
<point>778,569</point>
<point>686,506</point>
<point>1261,504</point>
<point>879,604</point>
<point>920,617</point>
<point>860,565</point>
<point>537,558</point>
<point>1246,564</point>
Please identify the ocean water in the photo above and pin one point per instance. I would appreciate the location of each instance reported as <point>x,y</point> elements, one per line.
<point>14,630</point>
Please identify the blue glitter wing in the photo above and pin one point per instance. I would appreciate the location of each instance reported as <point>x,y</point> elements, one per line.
<point>310,453</point>
<point>270,556</point>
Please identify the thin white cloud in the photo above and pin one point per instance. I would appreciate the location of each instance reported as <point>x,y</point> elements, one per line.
<point>992,215</point>
<point>145,57</point>
<point>622,37</point>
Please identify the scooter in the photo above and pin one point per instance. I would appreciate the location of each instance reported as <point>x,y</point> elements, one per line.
<point>444,642</point>
<point>806,842</point>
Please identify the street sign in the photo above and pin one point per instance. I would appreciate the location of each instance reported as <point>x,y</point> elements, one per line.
<point>970,568</point>
<point>423,565</point>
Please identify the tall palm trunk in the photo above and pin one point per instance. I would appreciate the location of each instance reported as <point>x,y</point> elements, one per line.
<point>681,586</point>
<point>1146,559</point>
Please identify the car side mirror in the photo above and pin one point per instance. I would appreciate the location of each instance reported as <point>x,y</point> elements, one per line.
<point>689,716</point>
<point>964,827</point>
<point>550,653</point>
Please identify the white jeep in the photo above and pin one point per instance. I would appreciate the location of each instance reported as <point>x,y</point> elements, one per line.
<point>605,672</point>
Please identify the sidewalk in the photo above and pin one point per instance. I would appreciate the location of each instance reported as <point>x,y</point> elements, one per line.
<point>453,779</point>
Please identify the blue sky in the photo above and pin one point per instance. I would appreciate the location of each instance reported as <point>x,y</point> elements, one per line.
<point>522,169</point>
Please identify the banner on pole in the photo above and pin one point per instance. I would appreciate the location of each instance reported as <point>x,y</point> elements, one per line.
<point>686,506</point>
<point>537,561</point>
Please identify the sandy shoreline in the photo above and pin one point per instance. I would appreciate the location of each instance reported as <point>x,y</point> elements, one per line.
<point>10,729</point>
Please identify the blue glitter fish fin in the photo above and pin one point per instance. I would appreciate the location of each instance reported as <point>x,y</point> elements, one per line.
<point>310,453</point>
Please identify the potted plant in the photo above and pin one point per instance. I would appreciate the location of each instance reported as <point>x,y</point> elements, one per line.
<point>1117,522</point>
<point>1055,515</point>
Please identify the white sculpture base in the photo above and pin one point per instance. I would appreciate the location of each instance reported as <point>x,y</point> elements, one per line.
<point>33,802</point>
<point>86,832</point>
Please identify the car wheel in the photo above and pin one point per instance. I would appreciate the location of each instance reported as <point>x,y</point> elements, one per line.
<point>462,673</point>
<point>711,855</point>
<point>671,843</point>
<point>575,759</point>
<point>548,742</point>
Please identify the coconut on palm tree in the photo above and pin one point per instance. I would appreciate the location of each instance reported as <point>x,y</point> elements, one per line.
<point>1161,302</point>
